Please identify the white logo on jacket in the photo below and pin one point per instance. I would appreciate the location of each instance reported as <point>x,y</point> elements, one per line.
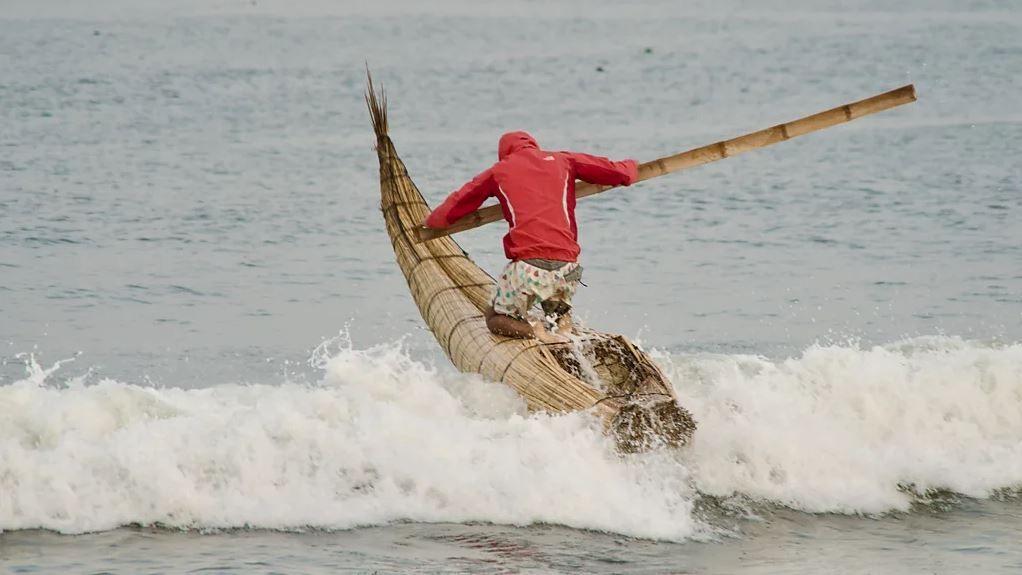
<point>564,199</point>
<point>510,208</point>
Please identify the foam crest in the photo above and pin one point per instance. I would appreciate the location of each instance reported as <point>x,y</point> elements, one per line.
<point>852,430</point>
<point>382,438</point>
<point>386,438</point>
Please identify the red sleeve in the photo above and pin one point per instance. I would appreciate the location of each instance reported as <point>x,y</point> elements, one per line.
<point>464,201</point>
<point>600,170</point>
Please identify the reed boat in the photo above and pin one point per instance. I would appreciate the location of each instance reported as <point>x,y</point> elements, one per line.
<point>601,373</point>
<point>604,374</point>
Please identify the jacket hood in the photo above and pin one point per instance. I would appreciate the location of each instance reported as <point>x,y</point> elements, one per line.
<point>512,142</point>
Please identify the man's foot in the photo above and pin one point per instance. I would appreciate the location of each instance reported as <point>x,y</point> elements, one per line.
<point>544,336</point>
<point>565,325</point>
<point>547,337</point>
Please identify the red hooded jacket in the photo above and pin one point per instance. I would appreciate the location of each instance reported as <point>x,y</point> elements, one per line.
<point>536,191</point>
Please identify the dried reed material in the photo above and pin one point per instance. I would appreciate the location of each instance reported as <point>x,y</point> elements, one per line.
<point>633,398</point>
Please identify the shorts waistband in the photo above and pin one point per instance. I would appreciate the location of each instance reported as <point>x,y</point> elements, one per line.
<point>544,264</point>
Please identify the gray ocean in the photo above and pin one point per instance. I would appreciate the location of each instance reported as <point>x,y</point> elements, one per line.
<point>210,362</point>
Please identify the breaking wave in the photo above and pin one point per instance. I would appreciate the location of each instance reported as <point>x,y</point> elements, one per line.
<point>852,430</point>
<point>383,437</point>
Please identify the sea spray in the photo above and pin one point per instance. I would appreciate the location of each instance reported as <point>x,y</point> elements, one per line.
<point>384,437</point>
<point>381,438</point>
<point>856,430</point>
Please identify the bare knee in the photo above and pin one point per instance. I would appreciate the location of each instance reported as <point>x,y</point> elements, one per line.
<point>493,324</point>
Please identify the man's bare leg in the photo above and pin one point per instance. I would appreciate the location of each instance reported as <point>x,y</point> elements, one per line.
<point>508,326</point>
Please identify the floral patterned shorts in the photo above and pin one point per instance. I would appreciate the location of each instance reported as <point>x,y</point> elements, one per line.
<point>522,285</point>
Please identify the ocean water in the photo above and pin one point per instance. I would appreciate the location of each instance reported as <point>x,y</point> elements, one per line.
<point>209,361</point>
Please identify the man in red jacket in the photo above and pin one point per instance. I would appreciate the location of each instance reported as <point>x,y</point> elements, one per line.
<point>536,191</point>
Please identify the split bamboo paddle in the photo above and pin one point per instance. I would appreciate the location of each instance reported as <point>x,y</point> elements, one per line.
<point>710,153</point>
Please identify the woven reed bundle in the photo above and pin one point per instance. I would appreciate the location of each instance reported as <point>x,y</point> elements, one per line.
<point>637,403</point>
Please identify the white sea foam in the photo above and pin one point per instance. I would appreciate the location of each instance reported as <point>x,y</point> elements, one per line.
<point>851,430</point>
<point>386,438</point>
<point>381,438</point>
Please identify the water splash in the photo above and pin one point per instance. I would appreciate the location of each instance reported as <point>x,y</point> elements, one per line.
<point>856,430</point>
<point>384,437</point>
<point>381,438</point>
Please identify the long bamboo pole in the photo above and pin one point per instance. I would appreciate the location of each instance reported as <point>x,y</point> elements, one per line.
<point>710,153</point>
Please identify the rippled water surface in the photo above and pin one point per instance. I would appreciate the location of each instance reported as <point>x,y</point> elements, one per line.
<point>189,207</point>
